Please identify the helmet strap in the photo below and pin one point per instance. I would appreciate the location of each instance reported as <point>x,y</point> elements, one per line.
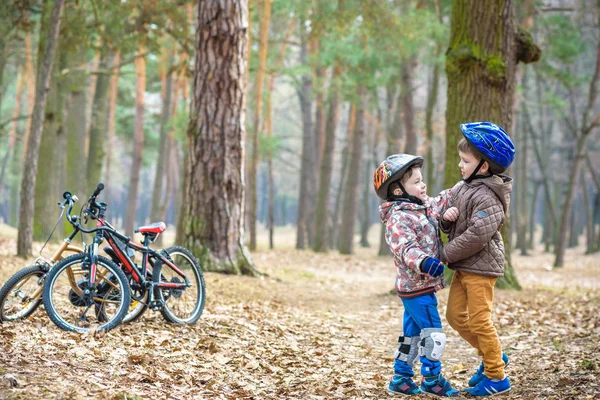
<point>406,196</point>
<point>474,175</point>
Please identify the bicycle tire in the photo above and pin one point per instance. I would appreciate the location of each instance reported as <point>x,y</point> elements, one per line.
<point>30,305</point>
<point>164,294</point>
<point>120,281</point>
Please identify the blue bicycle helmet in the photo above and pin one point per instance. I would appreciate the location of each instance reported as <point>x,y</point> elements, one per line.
<point>493,143</point>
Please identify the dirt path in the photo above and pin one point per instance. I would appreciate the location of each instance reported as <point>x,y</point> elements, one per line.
<point>321,327</point>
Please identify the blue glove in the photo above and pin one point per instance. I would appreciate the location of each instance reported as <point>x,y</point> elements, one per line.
<point>432,266</point>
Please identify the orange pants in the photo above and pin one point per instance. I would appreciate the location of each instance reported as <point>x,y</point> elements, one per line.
<point>470,314</point>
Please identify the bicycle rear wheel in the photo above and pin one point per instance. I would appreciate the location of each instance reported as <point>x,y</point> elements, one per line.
<point>181,305</point>
<point>71,309</point>
<point>21,295</point>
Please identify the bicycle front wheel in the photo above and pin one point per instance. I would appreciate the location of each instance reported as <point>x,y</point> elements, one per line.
<point>21,295</point>
<point>73,305</point>
<point>180,305</point>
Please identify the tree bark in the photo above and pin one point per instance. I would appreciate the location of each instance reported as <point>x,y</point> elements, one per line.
<point>98,143</point>
<point>76,124</point>
<point>480,65</point>
<point>431,102</point>
<point>113,91</point>
<point>258,122</point>
<point>307,160</point>
<point>321,243</point>
<point>160,196</point>
<point>333,238</point>
<point>213,202</point>
<point>351,194</point>
<point>138,140</point>
<point>31,163</point>
<point>406,98</point>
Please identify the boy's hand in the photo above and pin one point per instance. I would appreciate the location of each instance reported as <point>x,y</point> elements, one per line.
<point>432,266</point>
<point>451,214</point>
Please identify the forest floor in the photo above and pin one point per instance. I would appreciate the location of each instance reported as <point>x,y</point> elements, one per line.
<point>321,326</point>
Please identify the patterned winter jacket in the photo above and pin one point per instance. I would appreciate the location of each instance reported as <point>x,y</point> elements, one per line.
<point>412,232</point>
<point>475,244</point>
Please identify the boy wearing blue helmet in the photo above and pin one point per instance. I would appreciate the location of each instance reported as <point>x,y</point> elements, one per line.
<point>475,250</point>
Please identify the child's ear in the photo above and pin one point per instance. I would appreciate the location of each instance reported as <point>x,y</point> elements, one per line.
<point>484,168</point>
<point>397,192</point>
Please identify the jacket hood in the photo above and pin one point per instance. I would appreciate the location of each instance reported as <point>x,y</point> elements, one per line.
<point>387,209</point>
<point>501,185</point>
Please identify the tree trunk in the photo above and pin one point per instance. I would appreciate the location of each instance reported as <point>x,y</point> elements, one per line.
<point>307,161</point>
<point>47,179</point>
<point>138,140</point>
<point>431,101</point>
<point>589,216</point>
<point>31,160</point>
<point>213,203</point>
<point>321,243</point>
<point>351,194</point>
<point>343,177</point>
<point>76,124</point>
<point>522,193</point>
<point>160,196</point>
<point>97,144</point>
<point>532,211</point>
<point>113,91</point>
<point>480,65</point>
<point>406,98</point>
<point>258,122</point>
<point>319,145</point>
<point>394,133</point>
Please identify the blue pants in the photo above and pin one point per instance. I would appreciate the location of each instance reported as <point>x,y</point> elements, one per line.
<point>419,313</point>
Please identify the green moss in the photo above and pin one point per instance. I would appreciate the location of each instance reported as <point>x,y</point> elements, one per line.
<point>495,68</point>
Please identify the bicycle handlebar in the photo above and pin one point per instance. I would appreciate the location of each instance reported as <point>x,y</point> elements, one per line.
<point>71,199</point>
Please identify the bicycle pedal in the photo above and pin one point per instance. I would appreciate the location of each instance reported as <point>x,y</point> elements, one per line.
<point>155,305</point>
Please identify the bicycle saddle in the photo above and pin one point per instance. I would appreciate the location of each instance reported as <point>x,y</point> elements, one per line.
<point>155,228</point>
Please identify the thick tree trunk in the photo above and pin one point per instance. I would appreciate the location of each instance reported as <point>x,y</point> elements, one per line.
<point>258,121</point>
<point>351,194</point>
<point>480,65</point>
<point>97,144</point>
<point>138,140</point>
<point>31,159</point>
<point>47,179</point>
<point>213,203</point>
<point>31,84</point>
<point>321,243</point>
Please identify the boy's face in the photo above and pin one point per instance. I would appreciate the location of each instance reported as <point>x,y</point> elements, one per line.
<point>468,163</point>
<point>415,186</point>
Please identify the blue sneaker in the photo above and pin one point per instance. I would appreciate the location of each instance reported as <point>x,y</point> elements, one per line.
<point>400,384</point>
<point>478,377</point>
<point>488,387</point>
<point>438,387</point>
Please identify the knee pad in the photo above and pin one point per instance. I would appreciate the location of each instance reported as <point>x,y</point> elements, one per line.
<point>408,350</point>
<point>433,343</point>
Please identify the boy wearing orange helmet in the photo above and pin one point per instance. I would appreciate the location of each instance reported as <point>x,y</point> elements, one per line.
<point>412,233</point>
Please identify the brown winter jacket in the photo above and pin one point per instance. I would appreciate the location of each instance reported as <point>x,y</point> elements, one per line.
<point>475,244</point>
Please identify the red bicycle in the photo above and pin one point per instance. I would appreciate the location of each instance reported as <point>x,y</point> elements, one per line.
<point>88,291</point>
